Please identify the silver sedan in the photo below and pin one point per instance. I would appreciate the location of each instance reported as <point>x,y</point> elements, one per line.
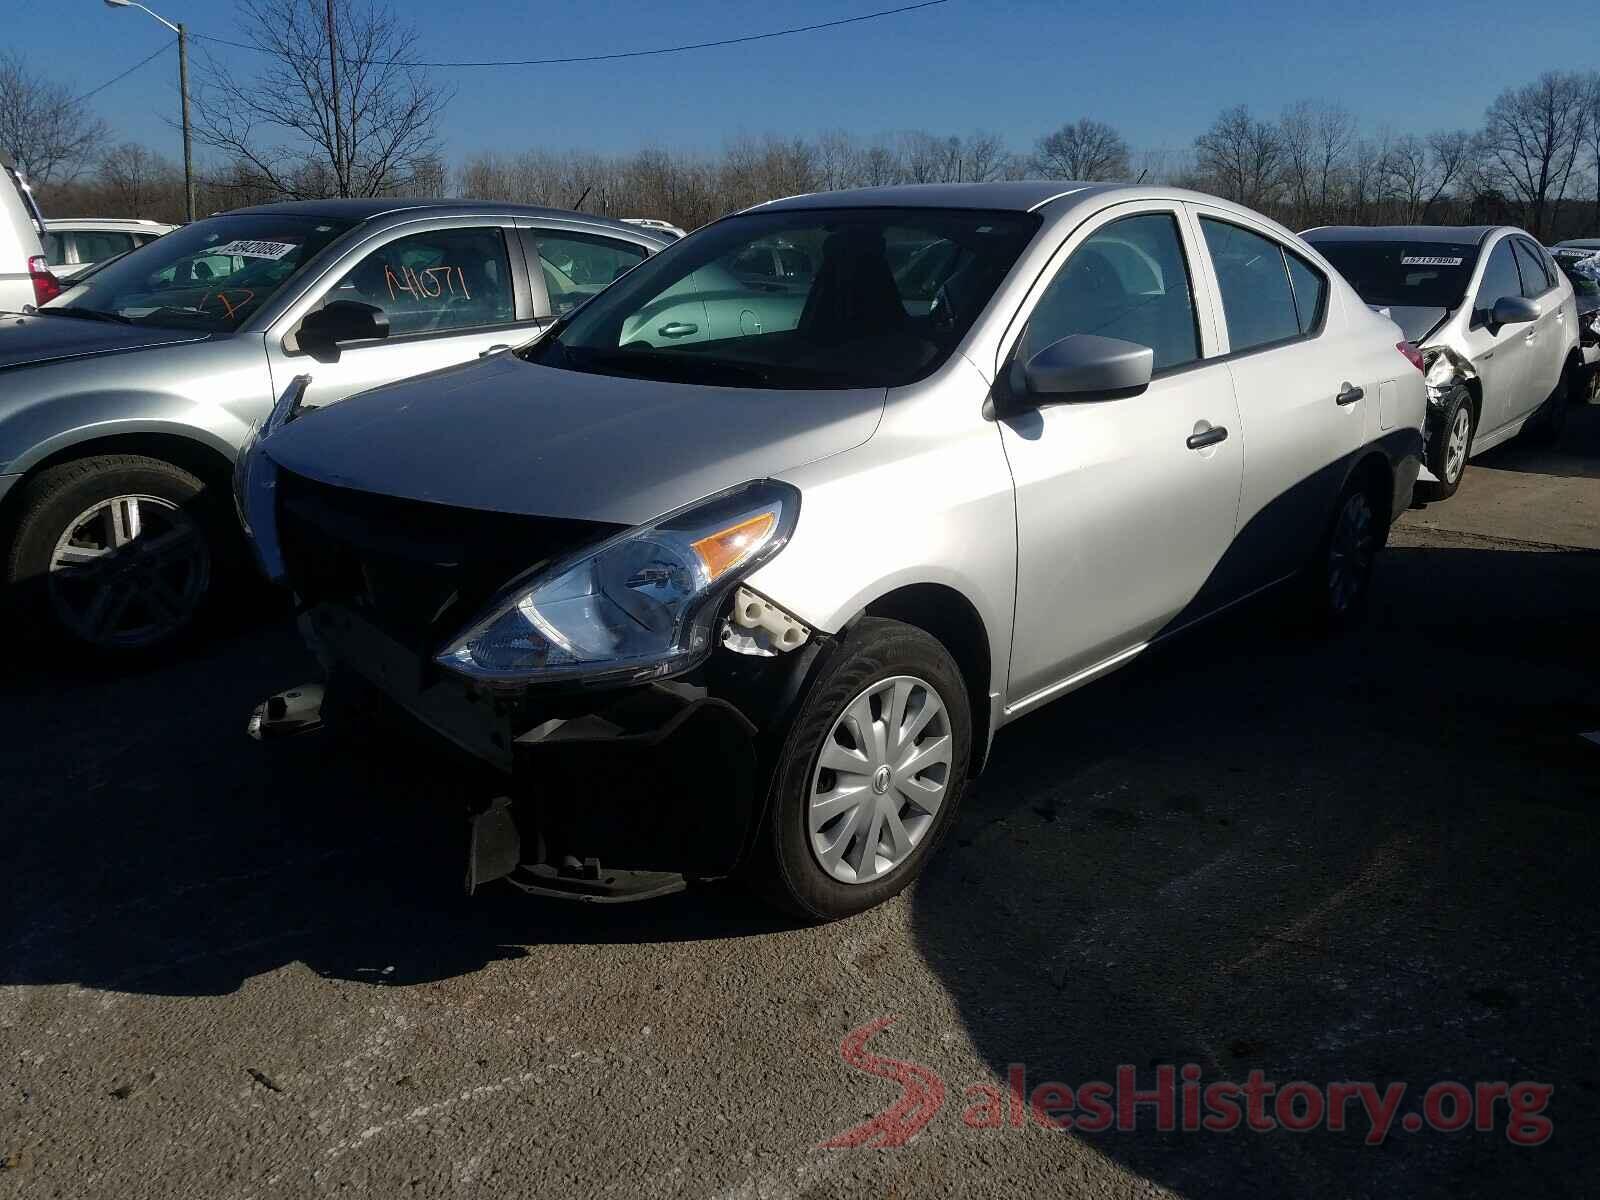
<point>735,573</point>
<point>125,400</point>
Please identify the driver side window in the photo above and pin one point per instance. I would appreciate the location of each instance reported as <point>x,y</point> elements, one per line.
<point>1500,279</point>
<point>440,281</point>
<point>1128,280</point>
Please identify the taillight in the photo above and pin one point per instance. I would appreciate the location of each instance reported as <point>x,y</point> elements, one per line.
<point>1413,355</point>
<point>45,285</point>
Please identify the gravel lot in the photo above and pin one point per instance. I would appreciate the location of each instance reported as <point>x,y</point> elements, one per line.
<point>227,974</point>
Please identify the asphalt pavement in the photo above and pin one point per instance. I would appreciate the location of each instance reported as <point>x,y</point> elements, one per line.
<point>229,973</point>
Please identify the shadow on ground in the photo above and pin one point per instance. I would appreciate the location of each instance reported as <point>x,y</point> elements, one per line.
<point>1371,859</point>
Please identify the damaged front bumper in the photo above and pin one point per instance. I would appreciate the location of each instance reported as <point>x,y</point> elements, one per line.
<point>600,795</point>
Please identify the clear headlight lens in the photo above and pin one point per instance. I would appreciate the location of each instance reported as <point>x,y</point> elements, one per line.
<point>639,606</point>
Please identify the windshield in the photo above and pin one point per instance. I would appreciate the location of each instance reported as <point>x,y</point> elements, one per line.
<point>1580,264</point>
<point>212,275</point>
<point>1416,274</point>
<point>821,298</point>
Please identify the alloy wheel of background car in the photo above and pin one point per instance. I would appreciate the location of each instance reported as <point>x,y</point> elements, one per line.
<point>1352,549</point>
<point>117,553</point>
<point>1448,458</point>
<point>881,778</point>
<point>129,572</point>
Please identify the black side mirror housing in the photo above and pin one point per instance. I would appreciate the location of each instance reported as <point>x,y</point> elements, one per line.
<point>1082,367</point>
<point>340,322</point>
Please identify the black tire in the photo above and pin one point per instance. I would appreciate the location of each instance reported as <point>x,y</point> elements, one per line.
<point>1339,581</point>
<point>1550,422</point>
<point>54,500</point>
<point>784,867</point>
<point>1439,451</point>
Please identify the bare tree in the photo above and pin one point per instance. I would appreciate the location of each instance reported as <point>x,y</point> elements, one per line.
<point>1335,137</point>
<point>1297,132</point>
<point>1592,140</point>
<point>1534,136</point>
<point>1084,149</point>
<point>137,180</point>
<point>48,135</point>
<point>371,136</point>
<point>984,157</point>
<point>1418,171</point>
<point>1242,157</point>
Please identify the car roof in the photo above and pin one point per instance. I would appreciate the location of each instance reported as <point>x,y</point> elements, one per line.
<point>106,223</point>
<point>368,209</point>
<point>1009,195</point>
<point>1405,233</point>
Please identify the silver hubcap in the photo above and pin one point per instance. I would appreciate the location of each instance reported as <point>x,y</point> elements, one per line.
<point>880,779</point>
<point>129,571</point>
<point>1351,551</point>
<point>1455,450</point>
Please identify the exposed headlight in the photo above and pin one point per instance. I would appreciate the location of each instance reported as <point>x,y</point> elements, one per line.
<point>639,606</point>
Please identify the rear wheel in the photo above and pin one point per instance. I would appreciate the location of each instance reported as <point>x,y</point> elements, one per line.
<point>1340,577</point>
<point>1550,421</point>
<point>1447,457</point>
<point>869,777</point>
<point>115,554</point>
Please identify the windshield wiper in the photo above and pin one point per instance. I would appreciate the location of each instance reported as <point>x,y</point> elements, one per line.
<point>671,367</point>
<point>86,314</point>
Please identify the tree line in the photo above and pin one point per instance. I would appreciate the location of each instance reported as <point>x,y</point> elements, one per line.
<point>335,110</point>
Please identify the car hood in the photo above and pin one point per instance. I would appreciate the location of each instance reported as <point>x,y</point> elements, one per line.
<point>27,340</point>
<point>515,437</point>
<point>1415,321</point>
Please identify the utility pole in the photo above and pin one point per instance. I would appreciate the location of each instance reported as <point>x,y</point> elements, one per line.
<point>338,120</point>
<point>188,144</point>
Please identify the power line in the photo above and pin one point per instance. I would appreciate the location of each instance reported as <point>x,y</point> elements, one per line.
<point>589,58</point>
<point>125,74</point>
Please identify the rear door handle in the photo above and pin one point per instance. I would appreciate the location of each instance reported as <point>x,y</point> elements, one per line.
<point>1206,437</point>
<point>1349,394</point>
<point>678,329</point>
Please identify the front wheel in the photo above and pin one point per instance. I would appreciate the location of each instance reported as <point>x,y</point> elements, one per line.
<point>114,553</point>
<point>1447,457</point>
<point>869,777</point>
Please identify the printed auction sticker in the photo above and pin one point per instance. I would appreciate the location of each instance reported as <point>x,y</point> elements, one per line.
<point>1430,262</point>
<point>248,248</point>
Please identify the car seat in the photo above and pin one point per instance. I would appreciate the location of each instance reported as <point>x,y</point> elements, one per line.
<point>853,295</point>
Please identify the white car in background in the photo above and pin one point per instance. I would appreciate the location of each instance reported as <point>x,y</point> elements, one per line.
<point>74,244</point>
<point>1495,319</point>
<point>664,227</point>
<point>25,279</point>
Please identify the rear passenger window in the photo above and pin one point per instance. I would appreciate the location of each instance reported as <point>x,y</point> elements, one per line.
<point>576,266</point>
<point>1129,280</point>
<point>1257,298</point>
<point>1310,291</point>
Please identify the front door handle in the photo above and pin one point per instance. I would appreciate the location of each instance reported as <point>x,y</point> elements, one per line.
<point>1349,394</point>
<point>678,329</point>
<point>1206,437</point>
<point>494,349</point>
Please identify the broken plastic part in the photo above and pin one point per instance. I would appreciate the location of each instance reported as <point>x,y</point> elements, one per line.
<point>1443,369</point>
<point>756,626</point>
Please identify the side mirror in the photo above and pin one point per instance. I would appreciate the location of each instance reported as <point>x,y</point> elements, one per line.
<point>1084,366</point>
<point>1513,310</point>
<point>343,321</point>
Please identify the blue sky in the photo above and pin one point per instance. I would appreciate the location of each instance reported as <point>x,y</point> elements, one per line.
<point>1159,70</point>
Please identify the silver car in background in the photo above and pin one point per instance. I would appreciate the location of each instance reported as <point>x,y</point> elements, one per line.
<point>717,576</point>
<point>1496,322</point>
<point>124,401</point>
